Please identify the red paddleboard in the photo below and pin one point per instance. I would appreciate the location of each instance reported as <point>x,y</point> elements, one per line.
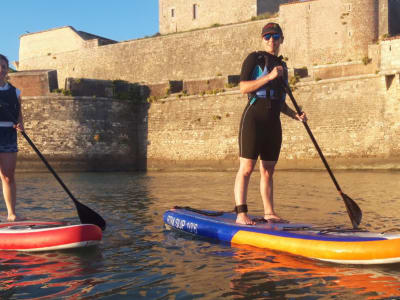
<point>46,236</point>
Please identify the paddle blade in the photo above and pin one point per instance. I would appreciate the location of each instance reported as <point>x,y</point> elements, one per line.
<point>353,210</point>
<point>89,216</point>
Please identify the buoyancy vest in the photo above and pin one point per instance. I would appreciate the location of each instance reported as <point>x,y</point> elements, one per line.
<point>9,102</point>
<point>273,89</point>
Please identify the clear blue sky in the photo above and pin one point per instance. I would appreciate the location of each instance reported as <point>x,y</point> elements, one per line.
<point>118,20</point>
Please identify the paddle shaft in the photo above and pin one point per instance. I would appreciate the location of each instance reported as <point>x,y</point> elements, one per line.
<point>352,208</point>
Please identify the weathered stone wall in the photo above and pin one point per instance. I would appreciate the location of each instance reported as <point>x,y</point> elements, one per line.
<point>50,42</point>
<point>328,31</point>
<point>179,15</point>
<point>355,121</point>
<point>390,55</point>
<point>35,83</point>
<point>84,133</point>
<point>190,55</point>
<point>316,33</point>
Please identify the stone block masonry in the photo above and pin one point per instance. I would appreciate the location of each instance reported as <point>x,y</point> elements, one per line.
<point>355,121</point>
<point>184,15</point>
<point>83,134</point>
<point>316,33</point>
<point>183,56</point>
<point>35,83</point>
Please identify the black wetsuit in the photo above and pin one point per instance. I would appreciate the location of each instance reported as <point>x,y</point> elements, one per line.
<point>260,132</point>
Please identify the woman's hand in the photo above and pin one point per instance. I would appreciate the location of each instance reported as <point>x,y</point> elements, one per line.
<point>253,85</point>
<point>19,126</point>
<point>302,117</point>
<point>276,72</point>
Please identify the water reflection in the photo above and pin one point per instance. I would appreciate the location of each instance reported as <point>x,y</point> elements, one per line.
<point>47,275</point>
<point>264,273</point>
<point>138,259</point>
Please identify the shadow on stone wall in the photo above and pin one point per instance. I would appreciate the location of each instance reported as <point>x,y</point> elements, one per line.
<point>85,134</point>
<point>121,121</point>
<point>141,93</point>
<point>90,125</point>
<point>127,119</point>
<point>117,89</point>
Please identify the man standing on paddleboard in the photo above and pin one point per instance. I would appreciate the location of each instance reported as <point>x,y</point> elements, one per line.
<point>10,100</point>
<point>260,134</point>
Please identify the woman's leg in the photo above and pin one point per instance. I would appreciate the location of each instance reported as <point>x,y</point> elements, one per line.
<point>7,170</point>
<point>267,169</point>
<point>241,184</point>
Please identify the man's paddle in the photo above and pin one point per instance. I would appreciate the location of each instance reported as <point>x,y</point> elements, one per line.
<point>86,215</point>
<point>352,208</point>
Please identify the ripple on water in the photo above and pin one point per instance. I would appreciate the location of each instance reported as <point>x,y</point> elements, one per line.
<point>139,259</point>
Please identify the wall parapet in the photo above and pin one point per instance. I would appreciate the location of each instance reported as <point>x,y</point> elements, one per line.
<point>35,82</point>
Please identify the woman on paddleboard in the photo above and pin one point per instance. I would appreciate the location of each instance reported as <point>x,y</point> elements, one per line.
<point>10,100</point>
<point>260,134</point>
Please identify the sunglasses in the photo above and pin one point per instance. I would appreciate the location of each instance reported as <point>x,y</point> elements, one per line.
<point>275,36</point>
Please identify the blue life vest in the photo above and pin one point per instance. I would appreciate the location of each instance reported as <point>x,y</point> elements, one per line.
<point>257,73</point>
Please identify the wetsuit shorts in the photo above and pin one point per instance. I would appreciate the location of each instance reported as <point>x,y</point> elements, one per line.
<point>8,135</point>
<point>8,140</point>
<point>260,132</point>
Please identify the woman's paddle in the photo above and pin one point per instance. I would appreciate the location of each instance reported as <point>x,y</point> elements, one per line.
<point>352,208</point>
<point>86,215</point>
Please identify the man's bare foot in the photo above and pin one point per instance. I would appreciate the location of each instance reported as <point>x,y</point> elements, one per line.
<point>14,218</point>
<point>243,218</point>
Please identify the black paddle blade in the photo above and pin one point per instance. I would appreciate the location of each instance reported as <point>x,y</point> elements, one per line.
<point>353,210</point>
<point>89,216</point>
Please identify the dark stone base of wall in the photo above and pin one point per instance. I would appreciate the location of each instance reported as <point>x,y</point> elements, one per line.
<point>298,164</point>
<point>80,164</point>
<point>113,164</point>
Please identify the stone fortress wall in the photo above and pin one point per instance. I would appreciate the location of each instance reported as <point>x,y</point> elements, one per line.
<point>83,134</point>
<point>153,60</point>
<point>184,15</point>
<point>350,84</point>
<point>317,32</point>
<point>329,31</point>
<point>355,121</point>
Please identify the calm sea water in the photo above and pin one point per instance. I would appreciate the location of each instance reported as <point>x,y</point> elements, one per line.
<point>139,259</point>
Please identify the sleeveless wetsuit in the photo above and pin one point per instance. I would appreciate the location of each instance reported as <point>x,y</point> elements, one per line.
<point>8,134</point>
<point>260,132</point>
